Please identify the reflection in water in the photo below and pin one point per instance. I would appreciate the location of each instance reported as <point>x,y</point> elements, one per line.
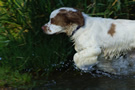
<point>86,81</point>
<point>81,82</point>
<point>77,80</point>
<point>122,77</point>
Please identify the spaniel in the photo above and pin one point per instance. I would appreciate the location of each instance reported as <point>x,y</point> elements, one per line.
<point>92,36</point>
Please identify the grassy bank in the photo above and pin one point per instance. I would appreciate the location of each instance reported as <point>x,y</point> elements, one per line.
<point>25,49</point>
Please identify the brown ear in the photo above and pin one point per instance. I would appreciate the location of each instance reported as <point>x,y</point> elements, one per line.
<point>75,17</point>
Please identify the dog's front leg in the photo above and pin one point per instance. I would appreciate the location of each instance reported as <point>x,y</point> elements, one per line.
<point>87,57</point>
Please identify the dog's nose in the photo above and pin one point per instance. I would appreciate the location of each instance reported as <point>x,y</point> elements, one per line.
<point>44,28</point>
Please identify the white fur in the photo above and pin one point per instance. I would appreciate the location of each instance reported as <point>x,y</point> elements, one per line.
<point>55,12</point>
<point>93,39</point>
<point>53,28</point>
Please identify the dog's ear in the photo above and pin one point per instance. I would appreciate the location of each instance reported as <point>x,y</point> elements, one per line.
<point>64,18</point>
<point>75,17</point>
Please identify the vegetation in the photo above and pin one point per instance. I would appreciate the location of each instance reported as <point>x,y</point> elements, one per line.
<point>13,78</point>
<point>25,49</point>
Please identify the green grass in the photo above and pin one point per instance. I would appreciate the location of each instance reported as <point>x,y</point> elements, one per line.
<point>23,45</point>
<point>8,77</point>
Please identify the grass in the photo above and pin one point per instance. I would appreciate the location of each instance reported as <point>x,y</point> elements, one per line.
<point>24,47</point>
<point>13,78</point>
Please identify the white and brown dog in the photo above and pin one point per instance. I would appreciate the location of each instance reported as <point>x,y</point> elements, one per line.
<point>92,35</point>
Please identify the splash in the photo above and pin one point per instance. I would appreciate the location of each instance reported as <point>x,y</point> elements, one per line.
<point>122,65</point>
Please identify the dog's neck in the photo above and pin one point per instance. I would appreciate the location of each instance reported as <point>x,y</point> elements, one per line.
<point>75,30</point>
<point>72,29</point>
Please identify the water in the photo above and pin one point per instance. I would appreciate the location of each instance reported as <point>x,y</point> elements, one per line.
<point>115,74</point>
<point>85,81</point>
<point>79,80</point>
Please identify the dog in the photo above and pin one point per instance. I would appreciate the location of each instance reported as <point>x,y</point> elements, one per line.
<point>92,36</point>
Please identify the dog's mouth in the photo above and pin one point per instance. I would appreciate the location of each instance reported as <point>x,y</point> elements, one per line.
<point>47,31</point>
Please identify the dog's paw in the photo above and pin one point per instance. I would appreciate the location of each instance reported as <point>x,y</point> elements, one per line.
<point>85,63</point>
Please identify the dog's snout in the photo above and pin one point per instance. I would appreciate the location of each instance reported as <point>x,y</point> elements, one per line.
<point>44,28</point>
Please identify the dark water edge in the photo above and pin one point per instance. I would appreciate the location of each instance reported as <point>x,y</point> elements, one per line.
<point>81,81</point>
<point>86,81</point>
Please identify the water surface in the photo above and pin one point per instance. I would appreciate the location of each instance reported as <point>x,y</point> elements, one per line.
<point>87,81</point>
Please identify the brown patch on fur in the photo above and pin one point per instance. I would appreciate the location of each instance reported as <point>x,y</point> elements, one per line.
<point>63,11</point>
<point>112,30</point>
<point>70,28</point>
<point>65,18</point>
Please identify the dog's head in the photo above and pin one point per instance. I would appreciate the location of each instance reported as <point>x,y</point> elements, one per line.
<point>63,20</point>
